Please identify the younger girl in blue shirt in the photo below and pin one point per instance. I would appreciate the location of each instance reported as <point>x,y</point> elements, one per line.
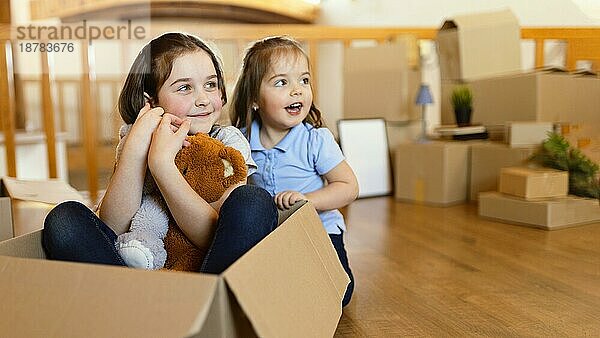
<point>273,106</point>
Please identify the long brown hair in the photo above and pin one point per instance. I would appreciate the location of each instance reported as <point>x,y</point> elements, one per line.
<point>153,66</point>
<point>257,62</point>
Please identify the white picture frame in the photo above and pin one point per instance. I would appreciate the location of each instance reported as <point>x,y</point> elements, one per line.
<point>365,146</point>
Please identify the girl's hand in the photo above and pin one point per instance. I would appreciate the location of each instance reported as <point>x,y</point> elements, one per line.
<point>286,199</point>
<point>146,123</point>
<point>166,142</point>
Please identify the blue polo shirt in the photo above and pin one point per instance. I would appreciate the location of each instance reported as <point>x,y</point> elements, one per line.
<point>297,163</point>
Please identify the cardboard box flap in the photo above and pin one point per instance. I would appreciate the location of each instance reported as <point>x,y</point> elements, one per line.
<point>468,45</point>
<point>471,21</point>
<point>25,246</point>
<point>61,299</point>
<point>292,283</point>
<point>48,191</point>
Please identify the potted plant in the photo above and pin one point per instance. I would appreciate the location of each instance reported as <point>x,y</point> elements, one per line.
<point>462,101</point>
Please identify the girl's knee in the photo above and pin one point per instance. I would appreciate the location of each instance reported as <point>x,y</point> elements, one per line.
<point>251,197</point>
<point>64,220</point>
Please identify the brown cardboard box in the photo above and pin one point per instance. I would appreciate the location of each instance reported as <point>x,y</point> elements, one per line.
<point>469,45</point>
<point>533,183</point>
<point>378,82</point>
<point>6,227</point>
<point>536,96</point>
<point>527,133</point>
<point>31,201</point>
<point>487,158</point>
<point>434,173</point>
<point>289,285</point>
<point>550,214</point>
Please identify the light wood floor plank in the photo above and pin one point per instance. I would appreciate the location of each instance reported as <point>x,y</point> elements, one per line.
<point>425,271</point>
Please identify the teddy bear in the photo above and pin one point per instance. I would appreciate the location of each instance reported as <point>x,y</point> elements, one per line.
<point>154,240</point>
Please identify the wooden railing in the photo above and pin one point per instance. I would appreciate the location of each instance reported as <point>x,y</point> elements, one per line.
<point>255,11</point>
<point>582,43</point>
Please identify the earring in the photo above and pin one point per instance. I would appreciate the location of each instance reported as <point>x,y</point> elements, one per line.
<point>254,108</point>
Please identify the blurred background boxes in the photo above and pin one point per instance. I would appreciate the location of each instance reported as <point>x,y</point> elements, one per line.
<point>550,214</point>
<point>487,158</point>
<point>371,73</point>
<point>434,173</point>
<point>533,183</point>
<point>540,96</point>
<point>29,202</point>
<point>479,45</point>
<point>527,133</point>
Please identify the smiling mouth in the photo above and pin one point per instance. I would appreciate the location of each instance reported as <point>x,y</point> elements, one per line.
<point>294,108</point>
<point>203,114</point>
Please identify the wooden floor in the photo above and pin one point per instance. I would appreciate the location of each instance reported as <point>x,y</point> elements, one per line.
<point>423,271</point>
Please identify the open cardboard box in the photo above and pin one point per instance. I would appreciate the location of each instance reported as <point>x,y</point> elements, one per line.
<point>24,204</point>
<point>289,285</point>
<point>479,45</point>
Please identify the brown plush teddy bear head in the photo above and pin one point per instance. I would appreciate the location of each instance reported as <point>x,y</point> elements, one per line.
<point>210,167</point>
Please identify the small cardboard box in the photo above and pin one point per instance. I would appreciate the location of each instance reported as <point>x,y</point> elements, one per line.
<point>541,96</point>
<point>469,45</point>
<point>30,202</point>
<point>527,134</point>
<point>550,214</point>
<point>487,158</point>
<point>434,173</point>
<point>291,284</point>
<point>381,73</point>
<point>533,183</point>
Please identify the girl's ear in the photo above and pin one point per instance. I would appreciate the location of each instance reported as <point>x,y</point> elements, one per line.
<point>149,99</point>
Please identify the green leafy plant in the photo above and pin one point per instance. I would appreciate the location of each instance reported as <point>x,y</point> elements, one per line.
<point>462,97</point>
<point>557,153</point>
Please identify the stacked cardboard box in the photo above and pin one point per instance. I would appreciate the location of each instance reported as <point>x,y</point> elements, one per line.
<point>543,96</point>
<point>535,183</point>
<point>537,197</point>
<point>487,159</point>
<point>468,50</point>
<point>434,173</point>
<point>27,202</point>
<point>527,134</point>
<point>289,285</point>
<point>549,214</point>
<point>388,75</point>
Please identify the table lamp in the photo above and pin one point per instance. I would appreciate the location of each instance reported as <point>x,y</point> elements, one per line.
<point>423,98</point>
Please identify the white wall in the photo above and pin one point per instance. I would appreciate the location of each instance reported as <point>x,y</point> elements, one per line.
<point>431,13</point>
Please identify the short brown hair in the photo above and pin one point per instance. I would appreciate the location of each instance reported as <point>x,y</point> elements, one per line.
<point>153,66</point>
<point>256,64</point>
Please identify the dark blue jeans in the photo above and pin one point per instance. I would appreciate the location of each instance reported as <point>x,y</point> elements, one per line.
<point>72,232</point>
<point>338,244</point>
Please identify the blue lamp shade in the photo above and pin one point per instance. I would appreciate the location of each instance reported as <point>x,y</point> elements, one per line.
<point>424,95</point>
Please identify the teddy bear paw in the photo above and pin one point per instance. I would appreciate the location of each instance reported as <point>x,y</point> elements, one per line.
<point>136,255</point>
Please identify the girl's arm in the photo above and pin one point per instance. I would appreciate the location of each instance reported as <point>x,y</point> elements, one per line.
<point>124,192</point>
<point>341,190</point>
<point>195,217</point>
